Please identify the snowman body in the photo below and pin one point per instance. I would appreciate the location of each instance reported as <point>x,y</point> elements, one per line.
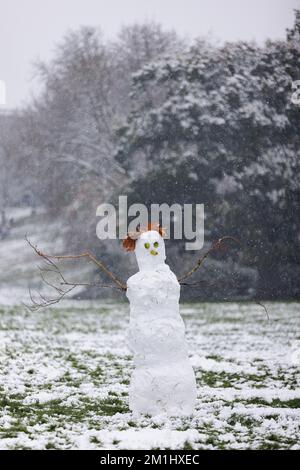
<point>163,380</point>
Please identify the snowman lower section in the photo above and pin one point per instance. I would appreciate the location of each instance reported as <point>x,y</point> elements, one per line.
<point>165,389</point>
<point>163,380</point>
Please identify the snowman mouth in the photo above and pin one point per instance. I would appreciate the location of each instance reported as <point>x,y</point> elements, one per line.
<point>153,252</point>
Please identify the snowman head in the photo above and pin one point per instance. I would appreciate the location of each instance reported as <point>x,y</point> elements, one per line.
<point>150,250</point>
<point>148,245</point>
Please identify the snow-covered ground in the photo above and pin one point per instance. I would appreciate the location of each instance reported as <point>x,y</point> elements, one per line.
<point>64,376</point>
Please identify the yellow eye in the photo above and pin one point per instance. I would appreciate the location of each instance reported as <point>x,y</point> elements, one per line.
<point>155,244</point>
<point>147,245</point>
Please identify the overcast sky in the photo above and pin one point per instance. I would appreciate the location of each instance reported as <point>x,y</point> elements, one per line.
<point>29,29</point>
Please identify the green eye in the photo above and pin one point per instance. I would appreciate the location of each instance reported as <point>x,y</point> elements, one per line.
<point>147,245</point>
<point>155,244</point>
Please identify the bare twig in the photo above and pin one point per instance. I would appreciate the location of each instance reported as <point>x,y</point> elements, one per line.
<point>87,254</point>
<point>44,302</point>
<point>264,307</point>
<point>217,245</point>
<point>64,286</point>
<point>199,284</point>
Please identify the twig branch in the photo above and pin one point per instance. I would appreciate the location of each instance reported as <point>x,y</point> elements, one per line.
<point>199,284</point>
<point>87,254</point>
<point>213,284</point>
<point>264,307</point>
<point>64,286</point>
<point>217,245</point>
<point>43,302</point>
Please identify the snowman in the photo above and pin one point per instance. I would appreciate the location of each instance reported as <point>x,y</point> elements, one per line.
<point>163,380</point>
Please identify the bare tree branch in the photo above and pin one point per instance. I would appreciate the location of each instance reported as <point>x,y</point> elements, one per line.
<point>87,254</point>
<point>217,245</point>
<point>44,302</point>
<point>63,287</point>
<point>264,307</point>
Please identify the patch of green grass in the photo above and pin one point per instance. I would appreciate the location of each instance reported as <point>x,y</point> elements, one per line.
<point>76,364</point>
<point>270,446</point>
<point>19,447</point>
<point>70,380</point>
<point>95,440</point>
<point>125,382</point>
<point>214,441</point>
<point>275,403</point>
<point>244,420</point>
<point>228,380</point>
<point>187,446</point>
<point>274,442</point>
<point>132,424</point>
<point>52,427</point>
<point>111,406</point>
<point>97,373</point>
<point>50,446</point>
<point>39,413</point>
<point>13,430</point>
<point>215,357</point>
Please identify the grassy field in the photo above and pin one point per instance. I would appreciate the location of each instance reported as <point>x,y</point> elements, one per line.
<point>65,375</point>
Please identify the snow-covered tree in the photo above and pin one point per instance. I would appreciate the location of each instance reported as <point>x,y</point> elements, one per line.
<point>221,112</point>
<point>71,122</point>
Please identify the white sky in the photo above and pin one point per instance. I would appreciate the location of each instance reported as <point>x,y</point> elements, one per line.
<point>29,29</point>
